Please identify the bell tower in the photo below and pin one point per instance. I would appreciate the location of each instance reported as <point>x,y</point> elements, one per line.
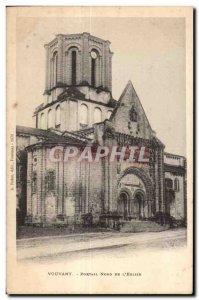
<point>76,60</point>
<point>78,83</point>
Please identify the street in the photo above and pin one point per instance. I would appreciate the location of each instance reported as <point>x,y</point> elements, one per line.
<point>118,244</point>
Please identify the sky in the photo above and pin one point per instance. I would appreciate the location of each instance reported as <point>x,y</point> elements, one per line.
<point>148,51</point>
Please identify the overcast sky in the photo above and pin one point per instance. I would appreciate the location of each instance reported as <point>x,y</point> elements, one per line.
<point>148,51</point>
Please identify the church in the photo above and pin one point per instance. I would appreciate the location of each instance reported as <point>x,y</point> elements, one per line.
<point>78,109</point>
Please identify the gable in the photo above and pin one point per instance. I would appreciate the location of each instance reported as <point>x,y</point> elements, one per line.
<point>129,117</point>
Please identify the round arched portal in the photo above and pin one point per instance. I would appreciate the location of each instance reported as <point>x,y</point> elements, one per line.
<point>134,194</point>
<point>124,204</point>
<point>138,204</point>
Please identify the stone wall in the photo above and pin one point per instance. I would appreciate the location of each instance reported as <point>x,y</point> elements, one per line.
<point>71,114</point>
<point>122,118</point>
<point>83,44</point>
<point>77,189</point>
<point>177,208</point>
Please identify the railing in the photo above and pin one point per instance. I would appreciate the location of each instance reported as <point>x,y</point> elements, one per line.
<point>175,160</point>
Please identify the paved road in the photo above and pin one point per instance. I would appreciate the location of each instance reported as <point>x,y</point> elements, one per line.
<point>108,243</point>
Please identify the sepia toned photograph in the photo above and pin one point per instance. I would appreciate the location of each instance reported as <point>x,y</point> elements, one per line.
<point>99,134</point>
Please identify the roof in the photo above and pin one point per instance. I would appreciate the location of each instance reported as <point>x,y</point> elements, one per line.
<point>77,36</point>
<point>77,136</point>
<point>84,131</point>
<point>158,141</point>
<point>49,135</point>
<point>128,87</point>
<point>34,131</point>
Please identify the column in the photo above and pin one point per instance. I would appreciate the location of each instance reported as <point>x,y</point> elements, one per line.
<point>161,180</point>
<point>110,72</point>
<point>110,177</point>
<point>87,195</point>
<point>146,208</point>
<point>106,185</point>
<point>85,58</point>
<point>60,188</point>
<point>185,191</point>
<point>67,69</point>
<point>60,60</point>
<point>103,66</point>
<point>39,182</point>
<point>29,183</point>
<point>57,188</point>
<point>157,208</point>
<point>113,186</point>
<point>100,70</point>
<point>47,77</point>
<point>65,187</point>
<point>43,189</point>
<point>107,58</point>
<point>79,67</point>
<point>149,209</point>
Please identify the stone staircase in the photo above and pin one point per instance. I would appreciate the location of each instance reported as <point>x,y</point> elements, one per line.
<point>142,226</point>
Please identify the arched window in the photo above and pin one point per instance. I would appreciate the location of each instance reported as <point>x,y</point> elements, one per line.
<point>50,181</point>
<point>176,185</point>
<point>58,117</point>
<point>169,183</point>
<point>54,68</point>
<point>74,66</point>
<point>109,112</point>
<point>93,75</point>
<point>42,125</point>
<point>73,62</point>
<point>97,115</point>
<point>34,183</point>
<point>94,67</point>
<point>83,115</point>
<point>50,118</point>
<point>133,114</point>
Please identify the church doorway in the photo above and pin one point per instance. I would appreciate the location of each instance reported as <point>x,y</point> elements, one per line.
<point>138,205</point>
<point>124,204</point>
<point>132,206</point>
<point>134,194</point>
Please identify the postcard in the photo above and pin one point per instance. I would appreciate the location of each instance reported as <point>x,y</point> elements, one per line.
<point>100,150</point>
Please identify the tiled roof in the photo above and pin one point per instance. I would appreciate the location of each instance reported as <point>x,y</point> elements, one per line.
<point>48,135</point>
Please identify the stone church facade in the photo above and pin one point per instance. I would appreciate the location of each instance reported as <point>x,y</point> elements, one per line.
<point>79,109</point>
